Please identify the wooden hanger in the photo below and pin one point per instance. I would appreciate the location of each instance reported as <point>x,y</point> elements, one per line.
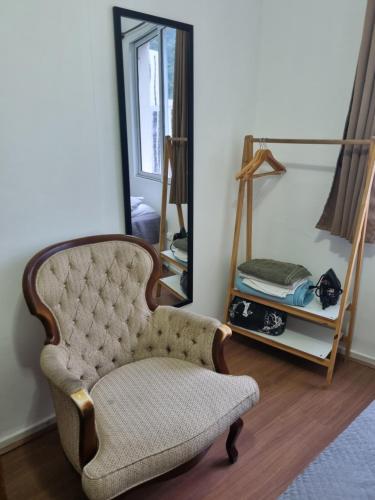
<point>261,156</point>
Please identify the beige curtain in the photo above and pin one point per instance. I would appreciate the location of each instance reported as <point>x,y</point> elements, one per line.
<point>178,191</point>
<point>340,211</point>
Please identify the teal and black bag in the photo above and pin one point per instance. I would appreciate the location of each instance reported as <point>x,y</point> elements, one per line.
<point>257,317</point>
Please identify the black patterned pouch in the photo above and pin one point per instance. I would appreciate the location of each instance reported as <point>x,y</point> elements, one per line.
<point>257,317</point>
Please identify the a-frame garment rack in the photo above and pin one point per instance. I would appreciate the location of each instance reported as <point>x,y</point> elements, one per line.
<point>349,298</point>
<point>172,283</point>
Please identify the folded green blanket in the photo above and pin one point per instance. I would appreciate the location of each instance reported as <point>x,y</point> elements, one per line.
<point>282,273</point>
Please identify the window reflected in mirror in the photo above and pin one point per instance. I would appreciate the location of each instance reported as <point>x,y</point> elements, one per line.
<point>155,87</point>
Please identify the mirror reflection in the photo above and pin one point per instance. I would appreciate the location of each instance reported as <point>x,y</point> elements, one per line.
<point>154,69</point>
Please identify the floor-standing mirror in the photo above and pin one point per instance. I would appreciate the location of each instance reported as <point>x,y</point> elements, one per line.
<point>154,59</point>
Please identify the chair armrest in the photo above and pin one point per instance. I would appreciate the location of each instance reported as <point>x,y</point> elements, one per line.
<point>53,362</point>
<point>184,335</point>
<point>88,440</point>
<point>221,335</point>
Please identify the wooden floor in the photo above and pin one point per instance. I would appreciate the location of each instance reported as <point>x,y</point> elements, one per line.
<point>296,418</point>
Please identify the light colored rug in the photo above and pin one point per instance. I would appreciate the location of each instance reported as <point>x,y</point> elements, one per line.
<point>345,470</point>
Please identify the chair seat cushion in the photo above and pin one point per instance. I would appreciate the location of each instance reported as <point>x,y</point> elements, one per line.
<point>155,414</point>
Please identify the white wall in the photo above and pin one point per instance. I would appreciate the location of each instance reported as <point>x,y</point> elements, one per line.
<point>60,168</point>
<point>306,71</point>
<point>60,173</point>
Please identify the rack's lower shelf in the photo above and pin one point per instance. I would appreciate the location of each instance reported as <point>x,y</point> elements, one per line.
<point>311,312</point>
<point>310,342</point>
<point>173,284</point>
<point>171,259</point>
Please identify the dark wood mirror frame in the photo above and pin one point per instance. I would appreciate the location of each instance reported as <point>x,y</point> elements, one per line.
<point>118,14</point>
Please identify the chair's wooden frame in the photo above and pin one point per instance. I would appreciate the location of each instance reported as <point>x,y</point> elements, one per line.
<point>354,264</point>
<point>88,442</point>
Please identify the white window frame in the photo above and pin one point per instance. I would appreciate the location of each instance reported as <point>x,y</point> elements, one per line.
<point>135,40</point>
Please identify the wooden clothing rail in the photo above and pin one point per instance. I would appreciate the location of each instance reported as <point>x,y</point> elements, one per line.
<point>347,304</point>
<point>164,194</point>
<point>312,141</point>
<point>164,254</point>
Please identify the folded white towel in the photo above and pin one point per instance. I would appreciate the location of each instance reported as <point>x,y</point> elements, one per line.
<point>269,287</point>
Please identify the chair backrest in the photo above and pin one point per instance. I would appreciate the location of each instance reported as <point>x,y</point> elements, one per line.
<point>94,296</point>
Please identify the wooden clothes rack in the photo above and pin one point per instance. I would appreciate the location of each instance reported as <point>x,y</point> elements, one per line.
<point>332,320</point>
<point>172,283</point>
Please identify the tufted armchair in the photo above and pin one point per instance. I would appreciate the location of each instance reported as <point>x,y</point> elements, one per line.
<point>136,387</point>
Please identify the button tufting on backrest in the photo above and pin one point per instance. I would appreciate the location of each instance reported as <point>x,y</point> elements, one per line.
<point>93,288</point>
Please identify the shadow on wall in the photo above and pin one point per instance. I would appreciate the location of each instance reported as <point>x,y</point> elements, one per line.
<point>341,246</point>
<point>29,337</point>
<point>319,177</point>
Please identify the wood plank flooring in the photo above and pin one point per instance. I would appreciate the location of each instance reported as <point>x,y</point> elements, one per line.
<point>297,417</point>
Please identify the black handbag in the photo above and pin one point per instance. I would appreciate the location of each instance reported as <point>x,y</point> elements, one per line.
<point>181,235</point>
<point>257,317</point>
<point>184,281</point>
<point>180,241</point>
<point>328,289</point>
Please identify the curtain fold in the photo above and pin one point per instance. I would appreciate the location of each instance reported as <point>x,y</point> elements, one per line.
<point>340,211</point>
<point>179,160</point>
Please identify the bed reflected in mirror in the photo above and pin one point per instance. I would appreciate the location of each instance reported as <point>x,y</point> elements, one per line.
<point>155,89</point>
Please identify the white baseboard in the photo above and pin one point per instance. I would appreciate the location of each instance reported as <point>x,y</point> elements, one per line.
<point>362,357</point>
<point>358,356</point>
<point>7,442</point>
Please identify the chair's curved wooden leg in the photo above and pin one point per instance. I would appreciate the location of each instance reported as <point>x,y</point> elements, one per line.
<point>234,432</point>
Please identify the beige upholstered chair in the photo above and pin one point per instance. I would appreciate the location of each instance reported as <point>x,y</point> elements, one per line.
<point>135,386</point>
